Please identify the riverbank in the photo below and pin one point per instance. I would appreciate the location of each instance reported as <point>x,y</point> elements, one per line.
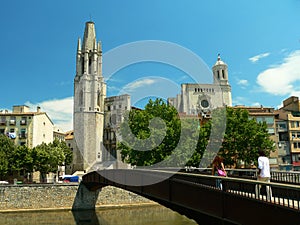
<point>52,197</point>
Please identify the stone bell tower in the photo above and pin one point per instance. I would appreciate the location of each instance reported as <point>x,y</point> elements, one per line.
<point>220,73</point>
<point>89,95</point>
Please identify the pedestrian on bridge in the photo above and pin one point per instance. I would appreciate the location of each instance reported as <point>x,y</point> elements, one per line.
<point>218,169</point>
<point>263,173</point>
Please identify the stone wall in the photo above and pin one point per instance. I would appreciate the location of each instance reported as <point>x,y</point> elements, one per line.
<point>59,196</point>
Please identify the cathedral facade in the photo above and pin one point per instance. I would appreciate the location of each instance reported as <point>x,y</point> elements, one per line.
<point>200,99</point>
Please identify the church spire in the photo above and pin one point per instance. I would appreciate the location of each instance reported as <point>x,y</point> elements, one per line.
<point>89,36</point>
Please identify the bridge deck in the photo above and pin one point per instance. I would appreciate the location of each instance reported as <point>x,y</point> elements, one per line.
<point>197,196</point>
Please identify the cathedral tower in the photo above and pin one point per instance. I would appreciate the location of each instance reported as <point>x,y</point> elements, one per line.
<point>220,73</point>
<point>89,95</point>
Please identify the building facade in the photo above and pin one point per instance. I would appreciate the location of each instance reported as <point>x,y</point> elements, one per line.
<point>288,126</point>
<point>200,99</point>
<point>115,109</point>
<point>26,127</point>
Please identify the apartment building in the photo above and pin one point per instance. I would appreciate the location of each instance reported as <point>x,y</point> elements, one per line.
<point>25,127</point>
<point>288,126</point>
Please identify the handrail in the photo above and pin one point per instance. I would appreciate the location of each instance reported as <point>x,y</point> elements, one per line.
<point>285,195</point>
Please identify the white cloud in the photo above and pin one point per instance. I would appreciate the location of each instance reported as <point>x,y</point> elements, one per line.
<point>243,83</point>
<point>281,79</point>
<point>60,111</point>
<point>258,57</point>
<point>139,84</point>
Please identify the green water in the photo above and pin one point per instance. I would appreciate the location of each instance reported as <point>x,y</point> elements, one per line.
<point>150,215</point>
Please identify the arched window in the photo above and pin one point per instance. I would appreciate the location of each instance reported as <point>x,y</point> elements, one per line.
<point>81,98</point>
<point>99,99</point>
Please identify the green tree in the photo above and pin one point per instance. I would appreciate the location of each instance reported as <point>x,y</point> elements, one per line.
<point>147,140</point>
<point>141,144</point>
<point>231,133</point>
<point>67,157</point>
<point>204,134</point>
<point>7,148</point>
<point>243,137</point>
<point>49,156</point>
<point>22,160</point>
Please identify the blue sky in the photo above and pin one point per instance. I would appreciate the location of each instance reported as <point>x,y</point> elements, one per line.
<point>259,40</point>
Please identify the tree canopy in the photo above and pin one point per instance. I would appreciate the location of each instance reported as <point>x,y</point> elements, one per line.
<point>177,141</point>
<point>44,157</point>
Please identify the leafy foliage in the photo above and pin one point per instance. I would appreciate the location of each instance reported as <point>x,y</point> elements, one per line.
<point>243,138</point>
<point>138,128</point>
<point>237,137</point>
<point>44,157</point>
<point>6,149</point>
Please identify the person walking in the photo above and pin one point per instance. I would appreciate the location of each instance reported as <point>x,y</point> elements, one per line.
<point>218,169</point>
<point>263,174</point>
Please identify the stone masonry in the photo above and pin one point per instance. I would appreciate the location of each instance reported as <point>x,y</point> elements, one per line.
<point>60,196</point>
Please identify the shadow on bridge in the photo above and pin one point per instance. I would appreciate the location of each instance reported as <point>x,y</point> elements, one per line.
<point>197,197</point>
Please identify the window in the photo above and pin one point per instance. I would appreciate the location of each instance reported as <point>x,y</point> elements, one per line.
<point>281,126</point>
<point>2,131</point>
<point>81,98</point>
<point>90,65</point>
<point>295,135</point>
<point>223,74</point>
<point>259,119</point>
<point>269,120</point>
<point>3,120</point>
<point>204,103</point>
<point>218,74</point>
<point>294,124</point>
<point>296,157</point>
<point>12,120</point>
<point>23,120</point>
<point>296,144</point>
<point>22,133</point>
<point>271,130</point>
<point>82,66</point>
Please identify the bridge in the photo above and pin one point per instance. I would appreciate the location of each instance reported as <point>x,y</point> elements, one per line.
<point>198,197</point>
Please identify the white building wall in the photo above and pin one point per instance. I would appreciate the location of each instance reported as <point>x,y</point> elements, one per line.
<point>42,129</point>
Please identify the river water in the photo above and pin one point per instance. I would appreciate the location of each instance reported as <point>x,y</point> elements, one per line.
<point>146,215</point>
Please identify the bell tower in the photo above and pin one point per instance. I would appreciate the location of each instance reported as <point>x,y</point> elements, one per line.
<point>220,75</point>
<point>89,95</point>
